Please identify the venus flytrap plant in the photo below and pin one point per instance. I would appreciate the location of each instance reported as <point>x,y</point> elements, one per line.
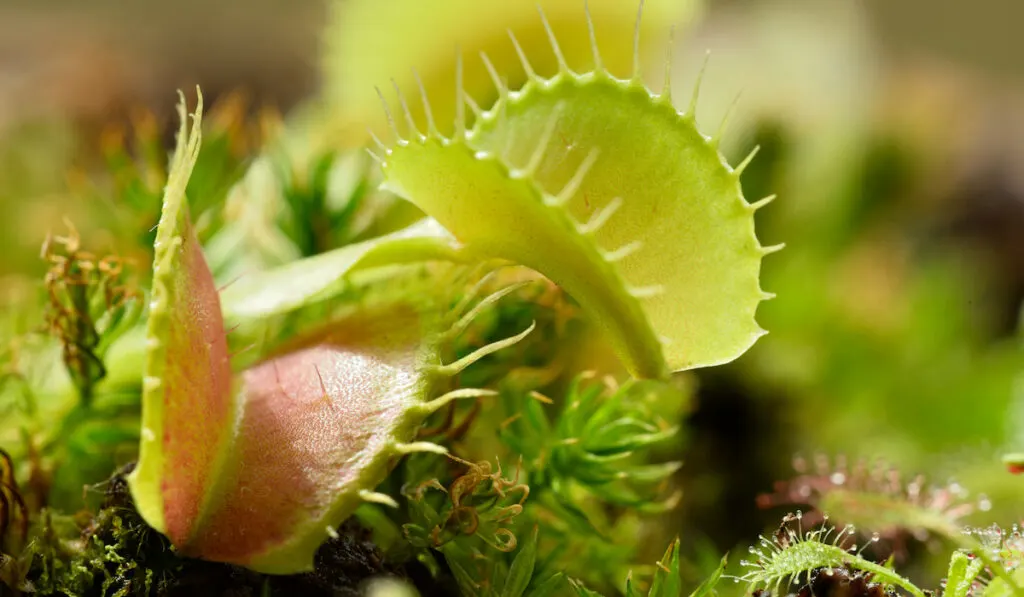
<point>597,183</point>
<point>593,181</point>
<point>602,186</point>
<point>255,448</point>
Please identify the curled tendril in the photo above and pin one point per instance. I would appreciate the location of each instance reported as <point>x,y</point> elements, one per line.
<point>477,505</point>
<point>508,544</point>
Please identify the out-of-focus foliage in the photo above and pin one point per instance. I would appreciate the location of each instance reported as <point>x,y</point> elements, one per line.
<point>892,338</point>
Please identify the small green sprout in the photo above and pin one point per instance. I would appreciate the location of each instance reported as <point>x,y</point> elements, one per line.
<point>595,445</point>
<point>666,581</point>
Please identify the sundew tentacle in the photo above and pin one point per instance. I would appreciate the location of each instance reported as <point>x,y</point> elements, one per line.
<point>612,193</point>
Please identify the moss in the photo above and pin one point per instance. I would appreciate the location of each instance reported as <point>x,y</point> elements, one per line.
<point>115,554</point>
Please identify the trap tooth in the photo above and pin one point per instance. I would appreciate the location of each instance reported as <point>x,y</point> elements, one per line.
<point>420,448</point>
<point>374,497</point>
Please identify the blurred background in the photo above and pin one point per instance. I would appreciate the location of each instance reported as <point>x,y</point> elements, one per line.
<point>893,133</point>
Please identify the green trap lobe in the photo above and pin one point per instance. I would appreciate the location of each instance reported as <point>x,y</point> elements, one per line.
<point>698,259</point>
<point>320,422</point>
<point>187,407</point>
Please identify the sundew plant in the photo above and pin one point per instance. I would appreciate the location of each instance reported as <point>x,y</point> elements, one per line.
<point>431,335</point>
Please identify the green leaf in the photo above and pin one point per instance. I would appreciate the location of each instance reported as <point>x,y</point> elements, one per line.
<point>707,588</point>
<point>963,569</point>
<point>467,584</point>
<point>546,587</point>
<point>667,582</point>
<point>521,572</point>
<point>631,590</point>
